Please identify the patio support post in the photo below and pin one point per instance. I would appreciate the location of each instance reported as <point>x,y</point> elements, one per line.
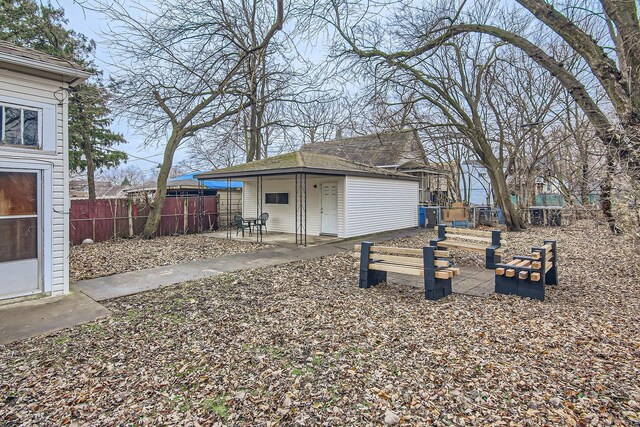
<point>300,208</point>
<point>228,208</point>
<point>305,209</point>
<point>295,204</point>
<point>259,205</point>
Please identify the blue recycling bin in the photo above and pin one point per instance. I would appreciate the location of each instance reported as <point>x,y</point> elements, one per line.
<point>422,216</point>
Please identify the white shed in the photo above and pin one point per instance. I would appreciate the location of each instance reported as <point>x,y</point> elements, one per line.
<point>34,202</point>
<point>316,194</point>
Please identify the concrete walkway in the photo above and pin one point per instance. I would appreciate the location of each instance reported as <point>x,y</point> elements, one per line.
<point>133,282</point>
<point>30,318</point>
<point>27,319</point>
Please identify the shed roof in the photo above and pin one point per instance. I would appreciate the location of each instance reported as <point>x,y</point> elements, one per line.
<point>303,162</point>
<point>380,149</point>
<point>189,182</point>
<point>31,58</point>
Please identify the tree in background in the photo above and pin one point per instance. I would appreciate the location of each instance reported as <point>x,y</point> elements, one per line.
<point>42,27</point>
<point>90,139</point>
<point>182,70</point>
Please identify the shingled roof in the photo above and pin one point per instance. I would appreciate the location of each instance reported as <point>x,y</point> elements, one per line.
<point>380,149</point>
<point>302,162</point>
<point>31,58</point>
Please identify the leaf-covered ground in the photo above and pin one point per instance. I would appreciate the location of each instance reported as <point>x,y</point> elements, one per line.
<point>122,255</point>
<point>301,344</point>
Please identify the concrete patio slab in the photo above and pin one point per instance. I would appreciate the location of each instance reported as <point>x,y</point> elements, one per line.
<point>27,319</point>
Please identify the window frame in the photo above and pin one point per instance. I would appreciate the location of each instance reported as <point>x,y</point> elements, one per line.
<point>277,198</point>
<point>22,109</point>
<point>48,131</point>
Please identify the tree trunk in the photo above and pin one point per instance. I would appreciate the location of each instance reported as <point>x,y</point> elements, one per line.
<point>502,195</point>
<point>155,214</point>
<point>91,169</point>
<point>584,187</point>
<point>605,193</point>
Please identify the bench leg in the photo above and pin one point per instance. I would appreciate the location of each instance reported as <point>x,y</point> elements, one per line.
<point>368,277</point>
<point>551,278</point>
<point>434,289</point>
<point>490,258</point>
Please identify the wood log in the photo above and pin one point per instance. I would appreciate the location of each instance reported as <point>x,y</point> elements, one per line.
<point>535,277</point>
<point>444,274</point>
<point>523,275</point>
<point>510,272</point>
<point>499,271</point>
<point>548,266</point>
<point>536,265</point>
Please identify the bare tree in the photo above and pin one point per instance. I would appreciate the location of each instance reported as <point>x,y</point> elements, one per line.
<point>617,70</point>
<point>448,84</point>
<point>181,70</point>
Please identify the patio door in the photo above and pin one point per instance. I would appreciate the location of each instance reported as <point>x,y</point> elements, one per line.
<point>329,209</point>
<point>20,236</point>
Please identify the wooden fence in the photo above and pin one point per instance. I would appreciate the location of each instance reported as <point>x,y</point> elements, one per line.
<point>105,219</point>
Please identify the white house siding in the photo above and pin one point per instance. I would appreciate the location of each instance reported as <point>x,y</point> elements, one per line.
<point>49,94</point>
<point>282,217</point>
<point>376,204</point>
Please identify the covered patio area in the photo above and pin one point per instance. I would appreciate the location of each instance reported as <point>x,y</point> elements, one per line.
<point>317,198</point>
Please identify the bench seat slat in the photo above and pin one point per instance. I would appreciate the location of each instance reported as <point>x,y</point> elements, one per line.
<point>453,244</point>
<point>394,268</point>
<point>466,231</point>
<point>402,251</point>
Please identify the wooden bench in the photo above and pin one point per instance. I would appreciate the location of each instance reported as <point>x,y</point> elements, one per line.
<point>527,275</point>
<point>487,242</point>
<point>429,262</point>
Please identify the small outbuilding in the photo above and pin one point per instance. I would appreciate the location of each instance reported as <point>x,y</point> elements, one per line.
<point>34,171</point>
<point>316,194</point>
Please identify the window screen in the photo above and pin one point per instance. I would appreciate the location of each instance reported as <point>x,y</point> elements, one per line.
<point>276,198</point>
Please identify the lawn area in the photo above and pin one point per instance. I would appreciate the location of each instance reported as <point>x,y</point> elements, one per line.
<point>301,344</point>
<point>122,255</point>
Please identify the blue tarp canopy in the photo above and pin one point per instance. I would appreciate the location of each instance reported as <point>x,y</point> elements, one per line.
<point>210,184</point>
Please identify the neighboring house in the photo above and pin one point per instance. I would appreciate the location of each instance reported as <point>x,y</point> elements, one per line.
<point>316,194</point>
<point>78,189</point>
<point>34,178</point>
<point>400,151</point>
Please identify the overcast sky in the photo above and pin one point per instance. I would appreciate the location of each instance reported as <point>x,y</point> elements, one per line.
<point>93,25</point>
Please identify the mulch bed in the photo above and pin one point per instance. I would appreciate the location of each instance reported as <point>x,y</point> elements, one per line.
<point>300,344</point>
<point>122,255</point>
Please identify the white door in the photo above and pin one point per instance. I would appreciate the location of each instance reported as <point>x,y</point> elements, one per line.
<point>329,209</point>
<point>20,236</point>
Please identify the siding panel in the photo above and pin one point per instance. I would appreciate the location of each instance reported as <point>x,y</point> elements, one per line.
<point>376,205</point>
<point>45,91</point>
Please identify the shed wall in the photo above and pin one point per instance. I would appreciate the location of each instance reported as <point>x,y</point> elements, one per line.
<point>375,205</point>
<point>282,217</point>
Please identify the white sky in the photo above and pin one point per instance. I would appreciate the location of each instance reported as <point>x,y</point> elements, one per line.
<point>92,25</point>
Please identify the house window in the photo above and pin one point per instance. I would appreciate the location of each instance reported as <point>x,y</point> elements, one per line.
<point>276,198</point>
<point>20,126</point>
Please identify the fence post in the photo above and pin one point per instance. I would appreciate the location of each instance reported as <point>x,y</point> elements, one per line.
<point>130,215</point>
<point>185,215</point>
